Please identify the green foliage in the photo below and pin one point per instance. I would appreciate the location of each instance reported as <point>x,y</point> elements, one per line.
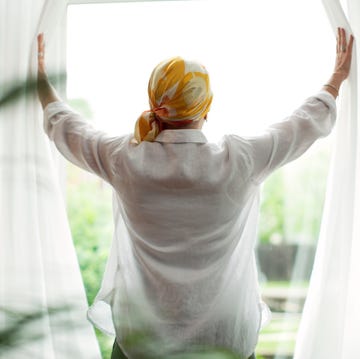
<point>82,106</point>
<point>105,343</point>
<point>23,327</point>
<point>305,193</point>
<point>90,216</point>
<point>272,208</point>
<point>15,91</point>
<point>292,200</point>
<point>146,346</point>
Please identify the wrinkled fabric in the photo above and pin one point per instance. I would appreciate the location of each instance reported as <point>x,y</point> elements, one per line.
<point>334,293</point>
<point>179,92</point>
<point>181,268</point>
<point>42,296</point>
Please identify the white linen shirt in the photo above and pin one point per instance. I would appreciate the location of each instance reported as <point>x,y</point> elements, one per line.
<point>181,267</point>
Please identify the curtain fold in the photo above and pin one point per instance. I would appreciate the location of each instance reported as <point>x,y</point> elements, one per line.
<point>39,272</point>
<point>331,318</point>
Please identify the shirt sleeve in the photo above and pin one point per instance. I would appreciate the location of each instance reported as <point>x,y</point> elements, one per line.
<point>287,140</point>
<point>79,141</point>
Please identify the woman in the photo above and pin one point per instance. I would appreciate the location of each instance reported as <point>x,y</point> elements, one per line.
<point>181,267</point>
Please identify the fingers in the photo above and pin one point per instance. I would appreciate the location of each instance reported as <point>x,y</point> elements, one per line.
<point>41,53</point>
<point>341,43</point>
<point>344,53</point>
<point>343,40</point>
<point>339,40</point>
<point>41,45</point>
<point>40,37</point>
<point>350,45</point>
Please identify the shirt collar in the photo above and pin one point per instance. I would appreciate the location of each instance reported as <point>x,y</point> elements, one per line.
<point>181,136</point>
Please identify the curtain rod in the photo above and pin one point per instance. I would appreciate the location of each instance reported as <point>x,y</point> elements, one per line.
<point>72,2</point>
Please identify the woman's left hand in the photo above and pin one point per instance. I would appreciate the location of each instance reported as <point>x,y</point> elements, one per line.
<point>343,54</point>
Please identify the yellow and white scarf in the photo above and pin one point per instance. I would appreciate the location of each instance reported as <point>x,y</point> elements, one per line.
<point>179,93</point>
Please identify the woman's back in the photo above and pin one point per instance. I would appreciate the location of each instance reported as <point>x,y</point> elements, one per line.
<point>187,214</point>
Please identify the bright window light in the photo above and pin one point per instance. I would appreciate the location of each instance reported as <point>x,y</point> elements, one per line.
<point>264,57</point>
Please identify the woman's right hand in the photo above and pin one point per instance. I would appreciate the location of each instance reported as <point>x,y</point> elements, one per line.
<point>46,92</point>
<point>41,55</point>
<point>343,54</point>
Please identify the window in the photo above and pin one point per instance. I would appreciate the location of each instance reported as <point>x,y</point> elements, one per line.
<point>264,58</point>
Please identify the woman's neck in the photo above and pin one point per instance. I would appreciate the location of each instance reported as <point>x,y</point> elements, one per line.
<point>193,125</point>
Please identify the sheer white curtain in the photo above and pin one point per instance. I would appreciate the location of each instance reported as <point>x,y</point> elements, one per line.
<point>39,272</point>
<point>330,324</point>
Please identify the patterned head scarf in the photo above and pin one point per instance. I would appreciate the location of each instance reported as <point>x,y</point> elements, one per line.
<point>179,93</point>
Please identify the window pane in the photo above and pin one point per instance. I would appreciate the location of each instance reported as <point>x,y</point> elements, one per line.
<point>264,59</point>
